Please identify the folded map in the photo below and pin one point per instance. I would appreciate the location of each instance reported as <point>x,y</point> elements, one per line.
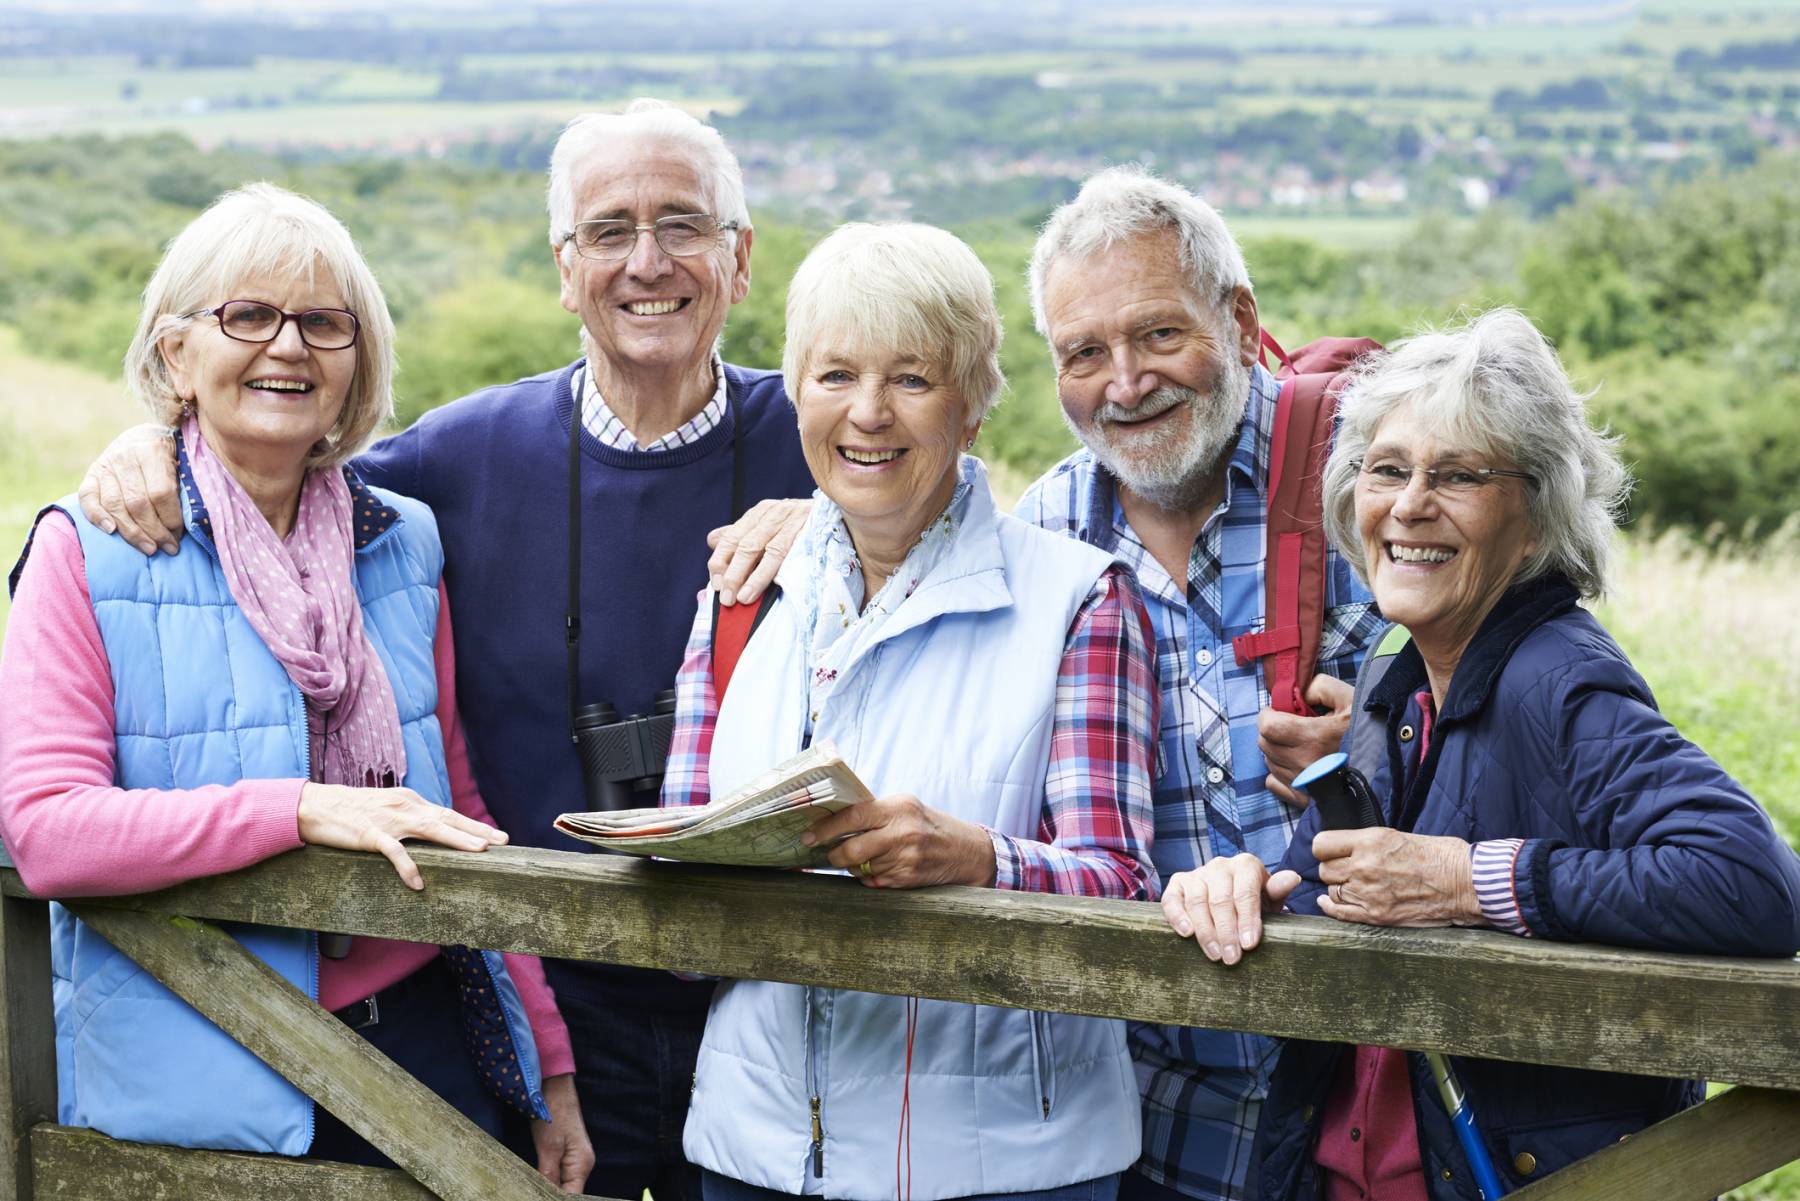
<point>759,825</point>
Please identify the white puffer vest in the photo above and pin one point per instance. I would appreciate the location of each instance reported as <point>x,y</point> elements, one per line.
<point>954,704</point>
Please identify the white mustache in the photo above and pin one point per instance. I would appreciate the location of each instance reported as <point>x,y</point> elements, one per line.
<point>1153,405</point>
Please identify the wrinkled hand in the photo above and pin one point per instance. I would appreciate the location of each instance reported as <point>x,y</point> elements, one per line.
<point>1382,877</point>
<point>1290,743</point>
<point>131,489</point>
<point>1221,905</point>
<point>376,819</point>
<point>906,844</point>
<point>565,1156</point>
<point>747,553</point>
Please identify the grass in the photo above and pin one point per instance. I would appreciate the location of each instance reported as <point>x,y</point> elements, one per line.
<point>53,420</point>
<point>1714,634</point>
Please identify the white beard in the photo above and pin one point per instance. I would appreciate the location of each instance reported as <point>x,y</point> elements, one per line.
<point>1171,467</point>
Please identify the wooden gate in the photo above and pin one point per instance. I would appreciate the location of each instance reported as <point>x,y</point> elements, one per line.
<point>1465,992</point>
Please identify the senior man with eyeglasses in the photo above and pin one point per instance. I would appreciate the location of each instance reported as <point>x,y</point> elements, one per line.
<point>657,442</point>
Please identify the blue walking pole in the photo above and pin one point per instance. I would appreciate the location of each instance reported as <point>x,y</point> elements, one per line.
<point>1346,802</point>
<point>1463,1118</point>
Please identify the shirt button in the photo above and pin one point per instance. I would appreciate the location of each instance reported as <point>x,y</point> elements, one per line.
<point>1214,776</point>
<point>1406,733</point>
<point>1355,1133</point>
<point>1203,657</point>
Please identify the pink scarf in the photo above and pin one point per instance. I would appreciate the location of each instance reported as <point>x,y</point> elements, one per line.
<point>299,598</point>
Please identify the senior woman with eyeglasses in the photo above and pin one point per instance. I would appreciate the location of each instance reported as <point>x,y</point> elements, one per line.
<point>992,685</point>
<point>1526,781</point>
<point>288,680</point>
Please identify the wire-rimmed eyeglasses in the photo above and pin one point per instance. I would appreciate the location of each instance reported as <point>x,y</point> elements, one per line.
<point>1451,479</point>
<point>680,235</point>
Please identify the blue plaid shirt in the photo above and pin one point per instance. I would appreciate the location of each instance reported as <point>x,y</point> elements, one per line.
<point>1202,1089</point>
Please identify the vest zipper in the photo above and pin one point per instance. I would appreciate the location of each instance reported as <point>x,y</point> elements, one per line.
<point>816,1099</point>
<point>818,1139</point>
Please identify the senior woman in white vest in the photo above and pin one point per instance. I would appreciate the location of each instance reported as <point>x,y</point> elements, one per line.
<point>286,680</point>
<point>992,685</point>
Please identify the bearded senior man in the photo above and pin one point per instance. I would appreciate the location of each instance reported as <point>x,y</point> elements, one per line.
<point>651,240</point>
<point>1143,296</point>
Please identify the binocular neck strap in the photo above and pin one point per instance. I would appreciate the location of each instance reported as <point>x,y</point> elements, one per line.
<point>572,615</point>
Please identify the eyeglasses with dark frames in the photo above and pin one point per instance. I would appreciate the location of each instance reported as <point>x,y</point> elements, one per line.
<point>1451,479</point>
<point>680,235</point>
<point>256,321</point>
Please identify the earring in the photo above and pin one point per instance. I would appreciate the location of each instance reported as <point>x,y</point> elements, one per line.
<point>969,445</point>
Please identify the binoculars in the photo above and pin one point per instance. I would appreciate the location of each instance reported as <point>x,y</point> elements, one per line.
<point>623,760</point>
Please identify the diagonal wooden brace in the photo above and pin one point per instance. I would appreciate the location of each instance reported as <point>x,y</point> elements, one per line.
<point>1693,1156</point>
<point>245,998</point>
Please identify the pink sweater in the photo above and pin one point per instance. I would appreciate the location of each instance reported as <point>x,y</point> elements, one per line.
<point>72,832</point>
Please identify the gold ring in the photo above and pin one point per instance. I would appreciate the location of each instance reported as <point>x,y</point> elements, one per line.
<point>865,870</point>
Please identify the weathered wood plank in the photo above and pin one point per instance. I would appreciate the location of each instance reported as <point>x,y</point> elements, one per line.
<point>244,997</point>
<point>1465,992</point>
<point>27,1038</point>
<point>1695,1155</point>
<point>81,1165</point>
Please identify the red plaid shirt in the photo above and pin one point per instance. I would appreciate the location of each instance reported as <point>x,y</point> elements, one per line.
<point>1093,838</point>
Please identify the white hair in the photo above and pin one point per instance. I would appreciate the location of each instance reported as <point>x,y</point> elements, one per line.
<point>1127,202</point>
<point>1494,385</point>
<point>263,231</point>
<point>656,120</point>
<point>898,287</point>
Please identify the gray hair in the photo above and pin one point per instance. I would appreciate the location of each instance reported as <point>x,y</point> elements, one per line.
<point>1492,384</point>
<point>913,288</point>
<point>1126,202</point>
<point>261,230</point>
<point>720,174</point>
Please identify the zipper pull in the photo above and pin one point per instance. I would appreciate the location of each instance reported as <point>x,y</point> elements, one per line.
<point>818,1140</point>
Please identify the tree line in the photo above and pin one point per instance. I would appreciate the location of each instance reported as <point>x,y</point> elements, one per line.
<point>1681,309</point>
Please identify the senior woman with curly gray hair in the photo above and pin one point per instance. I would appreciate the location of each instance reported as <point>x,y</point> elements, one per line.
<point>1526,781</point>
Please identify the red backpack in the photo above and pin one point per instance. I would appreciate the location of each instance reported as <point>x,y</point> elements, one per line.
<point>1294,558</point>
<point>732,626</point>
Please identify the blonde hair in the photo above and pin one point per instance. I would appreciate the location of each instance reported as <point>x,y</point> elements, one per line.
<point>913,288</point>
<point>262,231</point>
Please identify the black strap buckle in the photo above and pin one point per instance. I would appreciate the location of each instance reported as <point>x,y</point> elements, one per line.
<point>360,1015</point>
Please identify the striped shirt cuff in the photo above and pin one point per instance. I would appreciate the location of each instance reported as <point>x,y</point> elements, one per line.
<point>1009,864</point>
<point>1492,864</point>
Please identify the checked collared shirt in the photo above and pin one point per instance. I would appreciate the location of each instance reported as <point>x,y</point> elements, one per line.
<point>1203,1089</point>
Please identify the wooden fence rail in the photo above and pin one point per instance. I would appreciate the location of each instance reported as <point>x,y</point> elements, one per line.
<point>1465,992</point>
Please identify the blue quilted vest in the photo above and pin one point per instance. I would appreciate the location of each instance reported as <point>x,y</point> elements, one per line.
<point>199,700</point>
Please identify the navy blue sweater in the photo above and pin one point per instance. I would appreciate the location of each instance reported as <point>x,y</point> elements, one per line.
<point>494,468</point>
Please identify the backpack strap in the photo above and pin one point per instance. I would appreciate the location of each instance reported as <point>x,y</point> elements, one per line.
<point>731,629</point>
<point>1294,558</point>
<point>1294,565</point>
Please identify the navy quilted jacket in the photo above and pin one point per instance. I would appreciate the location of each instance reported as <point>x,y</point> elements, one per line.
<point>1634,837</point>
